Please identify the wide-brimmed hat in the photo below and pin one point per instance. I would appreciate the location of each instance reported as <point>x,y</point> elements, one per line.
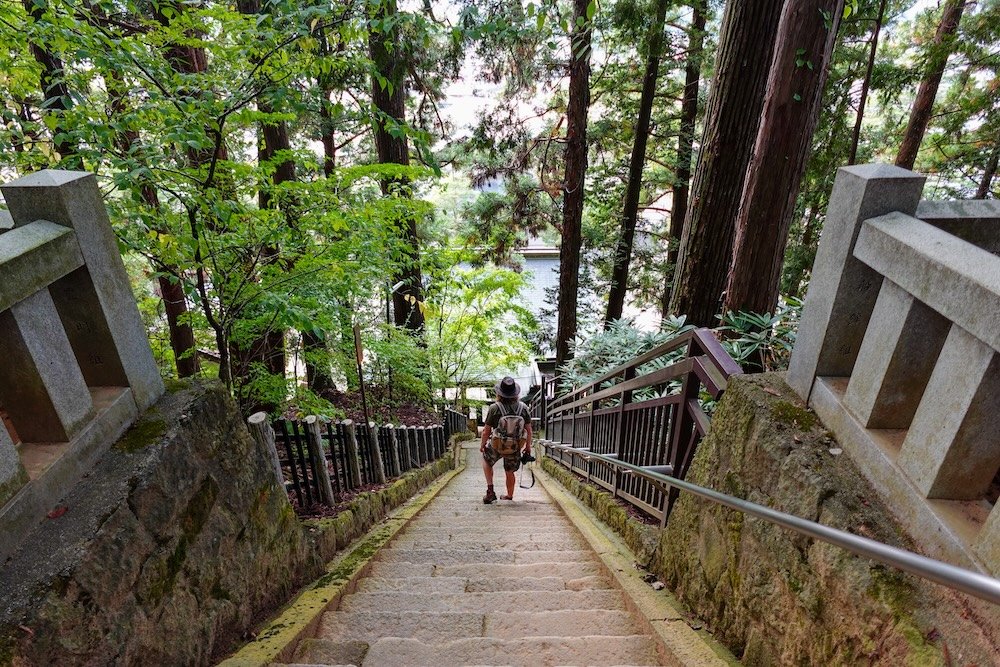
<point>507,388</point>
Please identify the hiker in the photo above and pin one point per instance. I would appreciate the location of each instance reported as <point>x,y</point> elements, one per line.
<point>506,434</point>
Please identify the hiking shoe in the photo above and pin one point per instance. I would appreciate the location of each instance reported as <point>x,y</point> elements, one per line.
<point>490,497</point>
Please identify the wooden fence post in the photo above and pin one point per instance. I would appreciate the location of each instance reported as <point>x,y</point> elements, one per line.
<point>314,442</point>
<point>403,447</point>
<point>353,458</point>
<point>394,462</point>
<point>378,466</point>
<point>262,432</point>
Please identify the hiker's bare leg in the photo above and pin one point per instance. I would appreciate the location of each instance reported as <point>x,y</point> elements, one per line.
<point>488,471</point>
<point>510,484</point>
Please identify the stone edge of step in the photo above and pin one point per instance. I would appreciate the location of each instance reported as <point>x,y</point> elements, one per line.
<point>277,641</point>
<point>678,643</point>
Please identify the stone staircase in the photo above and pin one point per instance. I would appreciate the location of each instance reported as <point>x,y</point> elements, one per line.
<point>470,584</point>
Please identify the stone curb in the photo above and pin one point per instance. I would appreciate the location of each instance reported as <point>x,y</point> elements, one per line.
<point>678,643</point>
<point>276,641</point>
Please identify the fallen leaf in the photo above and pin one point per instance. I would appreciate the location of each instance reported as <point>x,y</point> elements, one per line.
<point>772,392</point>
<point>658,585</point>
<point>57,512</point>
<point>797,439</point>
<point>26,629</point>
<point>836,451</point>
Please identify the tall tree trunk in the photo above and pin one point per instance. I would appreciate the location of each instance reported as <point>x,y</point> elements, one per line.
<point>988,173</point>
<point>735,104</point>
<point>630,210</point>
<point>794,97</point>
<point>574,180</point>
<point>866,84</point>
<point>55,93</point>
<point>685,146</point>
<point>923,103</point>
<point>392,148</point>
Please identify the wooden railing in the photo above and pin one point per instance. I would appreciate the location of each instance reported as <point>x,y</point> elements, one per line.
<point>647,412</point>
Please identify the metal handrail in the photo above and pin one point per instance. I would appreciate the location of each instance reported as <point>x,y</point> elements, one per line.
<point>958,578</point>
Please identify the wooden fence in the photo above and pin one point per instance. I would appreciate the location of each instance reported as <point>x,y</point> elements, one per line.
<point>647,412</point>
<point>323,460</point>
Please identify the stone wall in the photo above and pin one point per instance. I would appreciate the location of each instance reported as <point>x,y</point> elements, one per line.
<point>175,546</point>
<point>775,597</point>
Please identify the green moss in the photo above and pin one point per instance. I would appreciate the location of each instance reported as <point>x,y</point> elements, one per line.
<point>142,435</point>
<point>789,413</point>
<point>893,590</point>
<point>174,385</point>
<point>922,653</point>
<point>198,509</point>
<point>164,584</point>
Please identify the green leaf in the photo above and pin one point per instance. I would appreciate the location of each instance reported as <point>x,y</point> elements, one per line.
<point>591,9</point>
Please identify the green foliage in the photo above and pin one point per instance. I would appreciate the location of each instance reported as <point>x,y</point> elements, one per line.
<point>762,342</point>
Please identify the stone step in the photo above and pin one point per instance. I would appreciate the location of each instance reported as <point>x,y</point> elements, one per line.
<point>528,651</point>
<point>324,652</point>
<point>573,570</point>
<point>485,584</point>
<point>487,545</point>
<point>549,569</point>
<point>506,601</point>
<point>561,623</point>
<point>370,626</point>
<point>454,556</point>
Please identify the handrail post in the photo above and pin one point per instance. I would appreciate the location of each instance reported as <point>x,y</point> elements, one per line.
<point>314,444</point>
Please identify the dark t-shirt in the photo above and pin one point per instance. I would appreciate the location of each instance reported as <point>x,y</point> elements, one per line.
<point>494,413</point>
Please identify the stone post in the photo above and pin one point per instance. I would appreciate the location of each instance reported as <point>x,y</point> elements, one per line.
<point>896,361</point>
<point>95,302</point>
<point>425,446</point>
<point>353,458</point>
<point>843,290</point>
<point>314,441</point>
<point>260,428</point>
<point>12,473</point>
<point>415,447</point>
<point>950,450</point>
<point>376,454</point>
<point>41,385</point>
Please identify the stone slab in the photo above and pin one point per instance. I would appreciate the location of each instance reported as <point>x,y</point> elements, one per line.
<point>934,267</point>
<point>561,623</point>
<point>33,257</point>
<point>31,504</point>
<point>568,570</point>
<point>842,291</point>
<point>875,452</point>
<point>370,626</point>
<point>533,651</point>
<point>74,199</point>
<point>41,386</point>
<point>484,602</point>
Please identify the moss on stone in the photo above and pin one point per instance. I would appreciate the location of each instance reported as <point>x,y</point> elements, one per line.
<point>143,434</point>
<point>786,412</point>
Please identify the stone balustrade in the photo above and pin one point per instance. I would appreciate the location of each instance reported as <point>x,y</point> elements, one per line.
<point>898,351</point>
<point>76,367</point>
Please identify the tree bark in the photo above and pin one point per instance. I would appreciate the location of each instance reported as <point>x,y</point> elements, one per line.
<point>988,173</point>
<point>392,148</point>
<point>794,98</point>
<point>685,146</point>
<point>55,92</point>
<point>735,104</point>
<point>630,210</point>
<point>923,103</point>
<point>866,84</point>
<point>574,181</point>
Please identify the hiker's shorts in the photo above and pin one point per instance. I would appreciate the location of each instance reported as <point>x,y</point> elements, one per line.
<point>510,463</point>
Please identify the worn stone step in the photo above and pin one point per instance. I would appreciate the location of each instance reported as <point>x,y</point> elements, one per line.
<point>505,601</point>
<point>369,626</point>
<point>482,584</point>
<point>325,652</point>
<point>488,545</point>
<point>561,623</point>
<point>528,651</point>
<point>371,584</point>
<point>573,570</point>
<point>452,556</point>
